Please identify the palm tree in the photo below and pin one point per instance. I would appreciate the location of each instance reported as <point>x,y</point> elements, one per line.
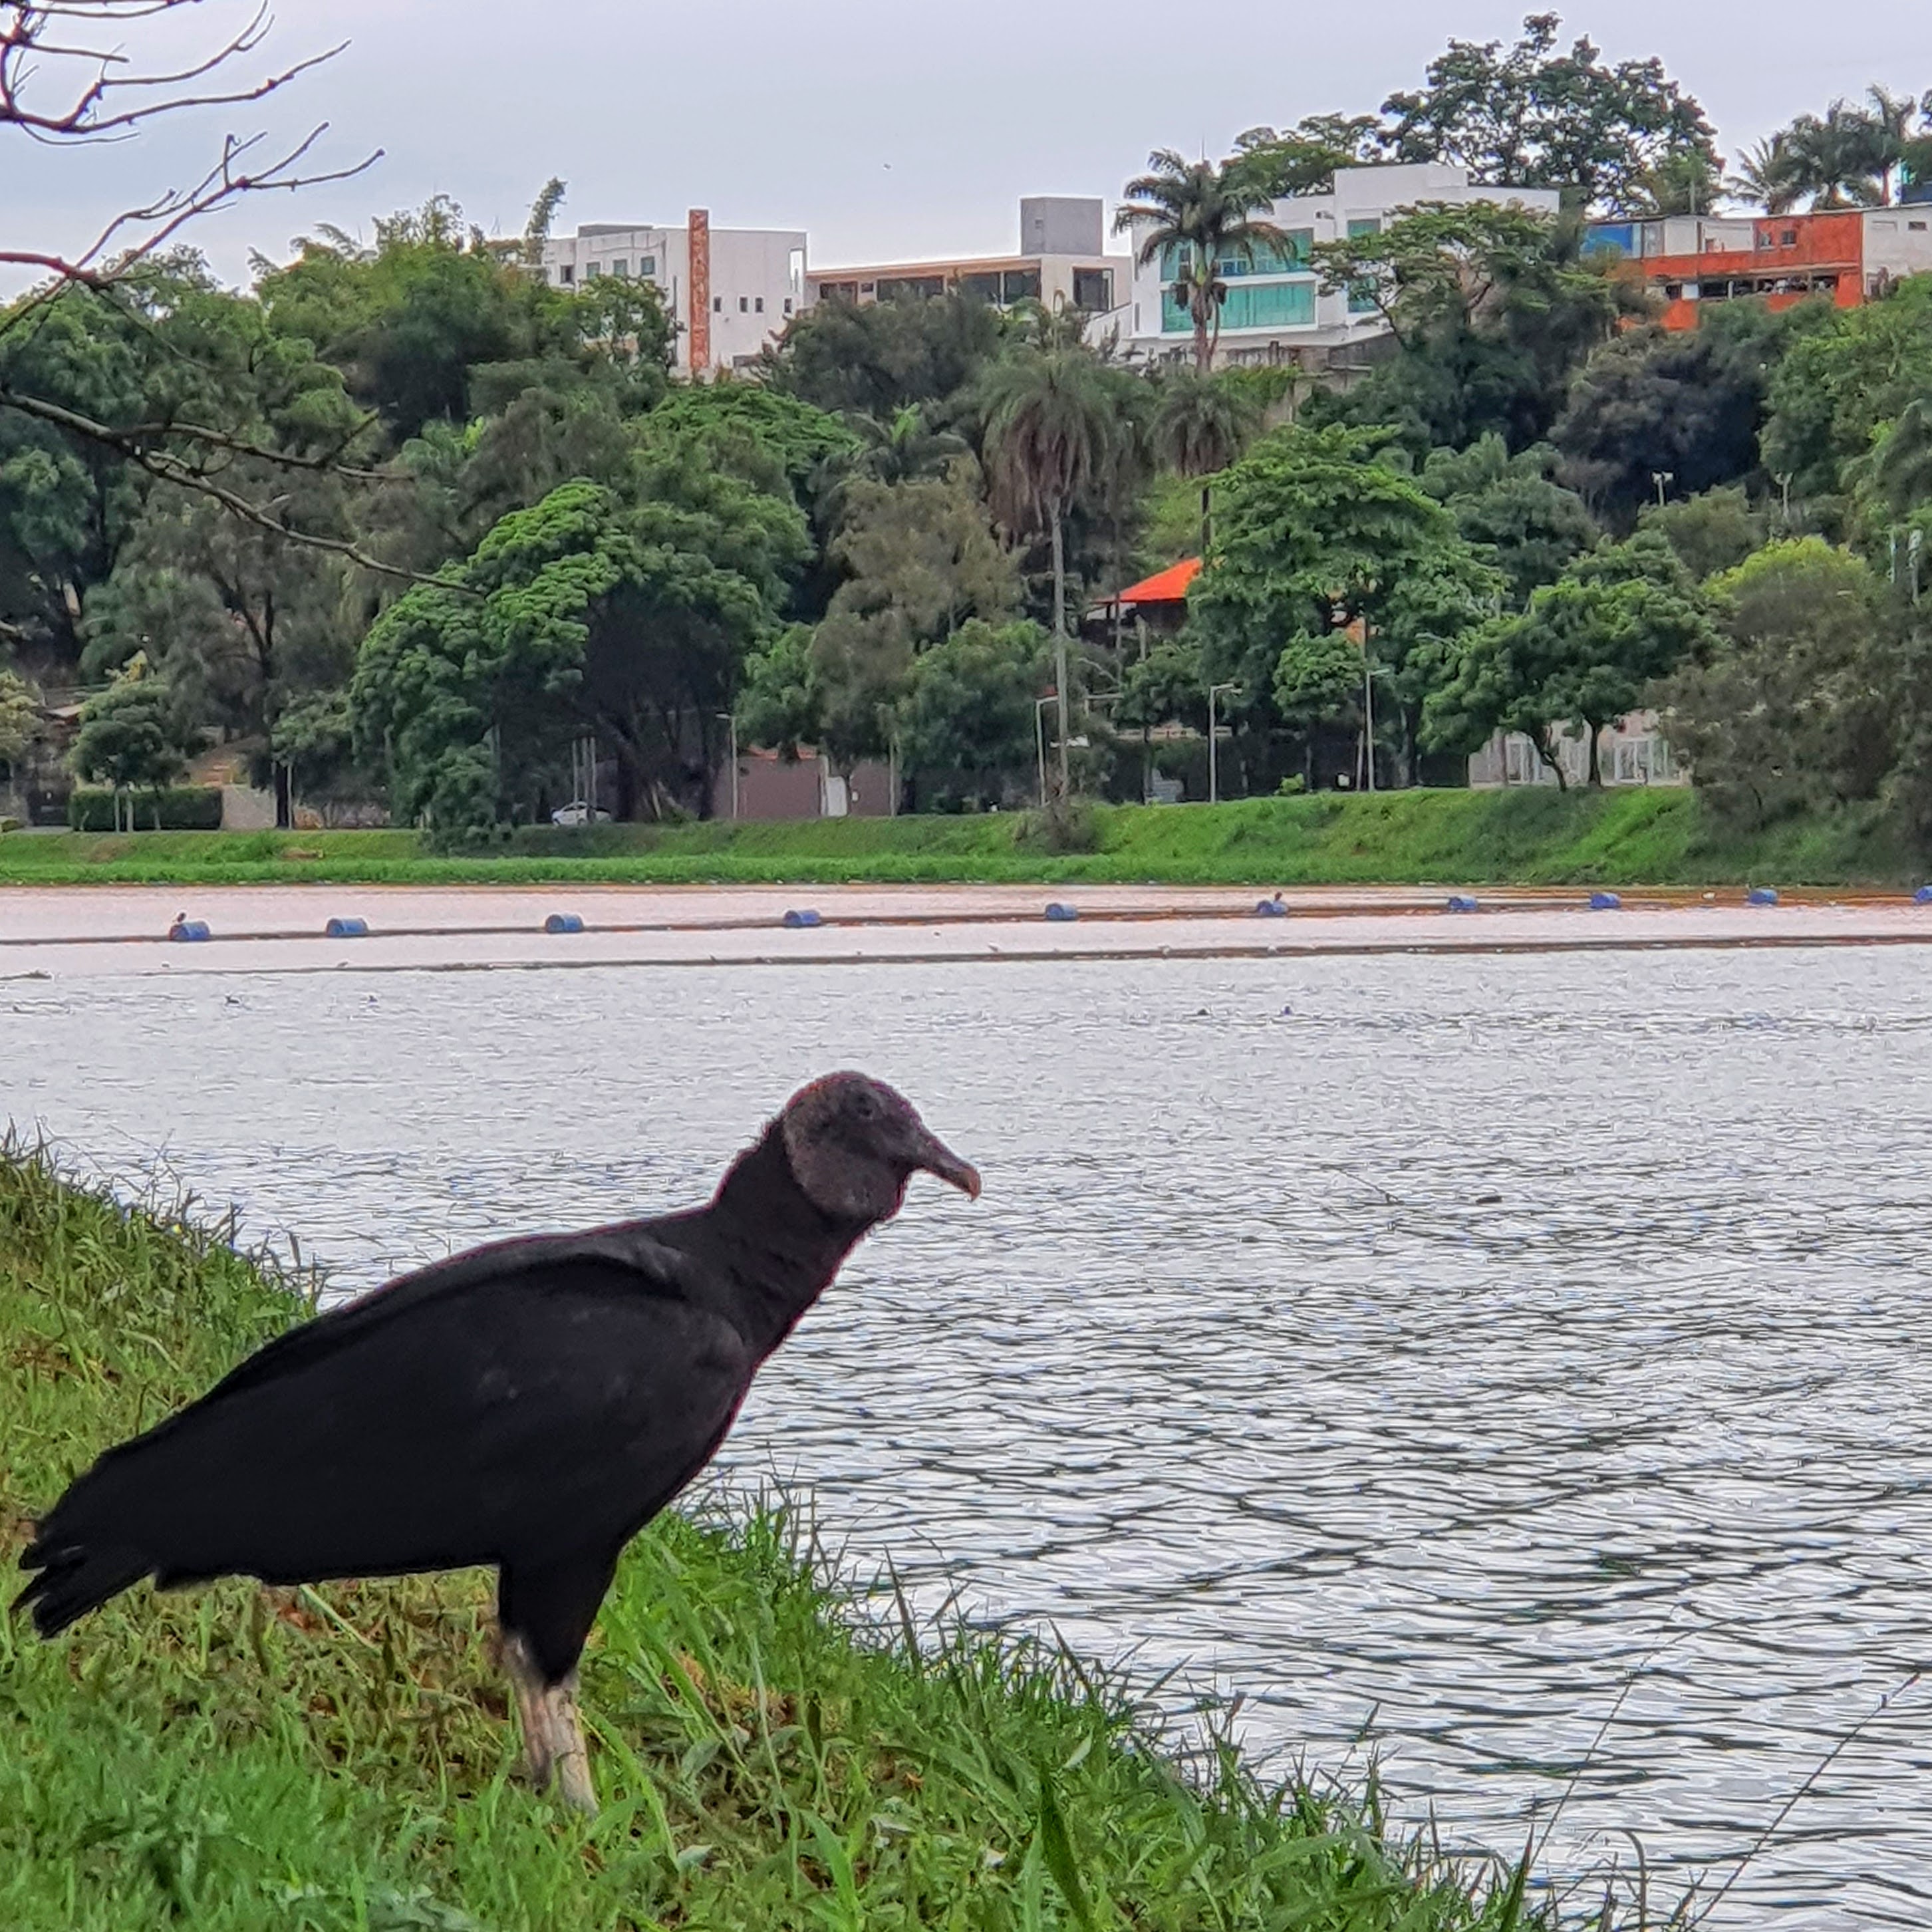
<point>906,446</point>
<point>1765,176</point>
<point>1893,117</point>
<point>1839,161</point>
<point>1205,214</point>
<point>1899,468</point>
<point>1052,421</point>
<point>1201,424</point>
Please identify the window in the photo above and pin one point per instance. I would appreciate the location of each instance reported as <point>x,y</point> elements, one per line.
<point>717,304</point>
<point>1020,285</point>
<point>1093,289</point>
<point>787,306</point>
<point>980,286</point>
<point>648,266</point>
<point>910,288</point>
<point>1362,295</point>
<point>591,274</point>
<point>759,305</point>
<point>566,274</point>
<point>1917,227</point>
<point>621,267</point>
<point>744,304</point>
<point>1270,305</point>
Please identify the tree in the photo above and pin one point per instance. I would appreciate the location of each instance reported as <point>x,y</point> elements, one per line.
<point>1051,423</point>
<point>920,559</point>
<point>780,704</point>
<point>1303,160</point>
<point>1196,217</point>
<point>1511,512</point>
<point>1201,424</point>
<point>1841,159</point>
<point>1530,115</point>
<point>1685,409</point>
<point>583,613</point>
<point>1585,652</point>
<point>1766,177</point>
<point>1711,532</point>
<point>1318,680</point>
<point>1800,704</point>
<point>1841,380</point>
<point>969,715</point>
<point>19,713</point>
<point>131,736</point>
<point>907,447</point>
<point>1314,535</point>
<point>1491,308</point>
<point>873,360</point>
<point>1896,479</point>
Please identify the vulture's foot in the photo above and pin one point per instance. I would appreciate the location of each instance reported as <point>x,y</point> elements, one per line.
<point>567,1748</point>
<point>552,1738</point>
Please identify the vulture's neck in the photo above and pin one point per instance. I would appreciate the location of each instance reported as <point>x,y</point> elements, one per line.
<point>781,1250</point>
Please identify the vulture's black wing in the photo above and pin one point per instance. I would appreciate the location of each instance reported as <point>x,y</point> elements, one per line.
<point>518,1403</point>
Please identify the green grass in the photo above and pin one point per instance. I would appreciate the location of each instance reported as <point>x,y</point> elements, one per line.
<point>1660,838</point>
<point>232,1758</point>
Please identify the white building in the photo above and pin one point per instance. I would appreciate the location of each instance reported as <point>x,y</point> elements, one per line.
<point>1276,310</point>
<point>1062,262</point>
<point>728,291</point>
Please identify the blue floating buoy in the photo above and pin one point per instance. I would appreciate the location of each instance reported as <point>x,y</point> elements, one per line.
<point>563,921</point>
<point>347,928</point>
<point>1923,896</point>
<point>1760,896</point>
<point>1057,911</point>
<point>1461,902</point>
<point>189,931</point>
<point>804,916</point>
<point>1271,909</point>
<point>1606,902</point>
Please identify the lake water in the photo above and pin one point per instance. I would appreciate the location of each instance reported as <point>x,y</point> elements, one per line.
<point>1458,1357</point>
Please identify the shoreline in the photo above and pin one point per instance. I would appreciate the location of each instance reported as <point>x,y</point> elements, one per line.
<point>72,932</point>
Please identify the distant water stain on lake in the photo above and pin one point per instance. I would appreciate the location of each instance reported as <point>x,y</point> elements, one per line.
<point>1453,1348</point>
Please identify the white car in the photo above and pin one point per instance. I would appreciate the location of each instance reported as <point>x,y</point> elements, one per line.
<point>578,813</point>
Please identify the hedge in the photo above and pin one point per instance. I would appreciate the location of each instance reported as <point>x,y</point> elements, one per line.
<point>182,808</point>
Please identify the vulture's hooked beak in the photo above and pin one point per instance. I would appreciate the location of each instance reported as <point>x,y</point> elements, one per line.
<point>933,1155</point>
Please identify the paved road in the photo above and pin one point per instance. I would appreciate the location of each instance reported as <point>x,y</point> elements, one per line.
<point>68,931</point>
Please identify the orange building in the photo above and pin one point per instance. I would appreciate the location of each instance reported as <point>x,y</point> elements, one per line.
<point>1778,260</point>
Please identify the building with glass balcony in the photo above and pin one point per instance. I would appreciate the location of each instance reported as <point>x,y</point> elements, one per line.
<point>1276,310</point>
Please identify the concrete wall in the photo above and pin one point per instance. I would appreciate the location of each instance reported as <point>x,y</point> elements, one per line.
<point>1062,224</point>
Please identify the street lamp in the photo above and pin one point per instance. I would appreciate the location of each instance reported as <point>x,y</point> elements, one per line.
<point>1040,737</point>
<point>1214,691</point>
<point>730,719</point>
<point>1661,477</point>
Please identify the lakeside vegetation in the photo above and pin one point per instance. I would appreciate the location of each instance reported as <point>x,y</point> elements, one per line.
<point>412,532</point>
<point>1543,837</point>
<point>334,1759</point>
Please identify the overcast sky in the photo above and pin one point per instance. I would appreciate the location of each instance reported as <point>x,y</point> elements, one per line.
<point>886,128</point>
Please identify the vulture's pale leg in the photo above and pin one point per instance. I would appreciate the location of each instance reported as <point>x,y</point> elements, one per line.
<point>567,1747</point>
<point>532,1710</point>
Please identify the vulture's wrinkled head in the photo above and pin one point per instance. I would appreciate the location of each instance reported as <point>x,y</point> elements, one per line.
<point>853,1144</point>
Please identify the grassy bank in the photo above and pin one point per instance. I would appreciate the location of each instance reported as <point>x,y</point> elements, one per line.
<point>1451,837</point>
<point>234,1759</point>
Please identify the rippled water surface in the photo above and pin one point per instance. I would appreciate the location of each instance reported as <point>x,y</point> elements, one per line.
<point>1458,1357</point>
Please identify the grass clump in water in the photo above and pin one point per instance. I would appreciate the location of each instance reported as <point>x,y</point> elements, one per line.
<point>234,1758</point>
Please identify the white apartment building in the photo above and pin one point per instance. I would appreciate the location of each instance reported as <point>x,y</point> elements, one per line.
<point>1062,263</point>
<point>1276,310</point>
<point>728,291</point>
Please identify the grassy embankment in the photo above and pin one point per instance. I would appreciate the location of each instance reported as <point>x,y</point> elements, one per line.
<point>234,1759</point>
<point>1657,838</point>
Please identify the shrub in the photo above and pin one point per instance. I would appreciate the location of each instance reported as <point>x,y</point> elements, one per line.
<point>178,808</point>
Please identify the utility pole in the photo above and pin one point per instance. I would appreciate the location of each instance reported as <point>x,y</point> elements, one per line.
<point>1040,737</point>
<point>1214,691</point>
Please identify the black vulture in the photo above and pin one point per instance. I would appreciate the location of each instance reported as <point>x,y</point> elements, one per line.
<point>530,1406</point>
